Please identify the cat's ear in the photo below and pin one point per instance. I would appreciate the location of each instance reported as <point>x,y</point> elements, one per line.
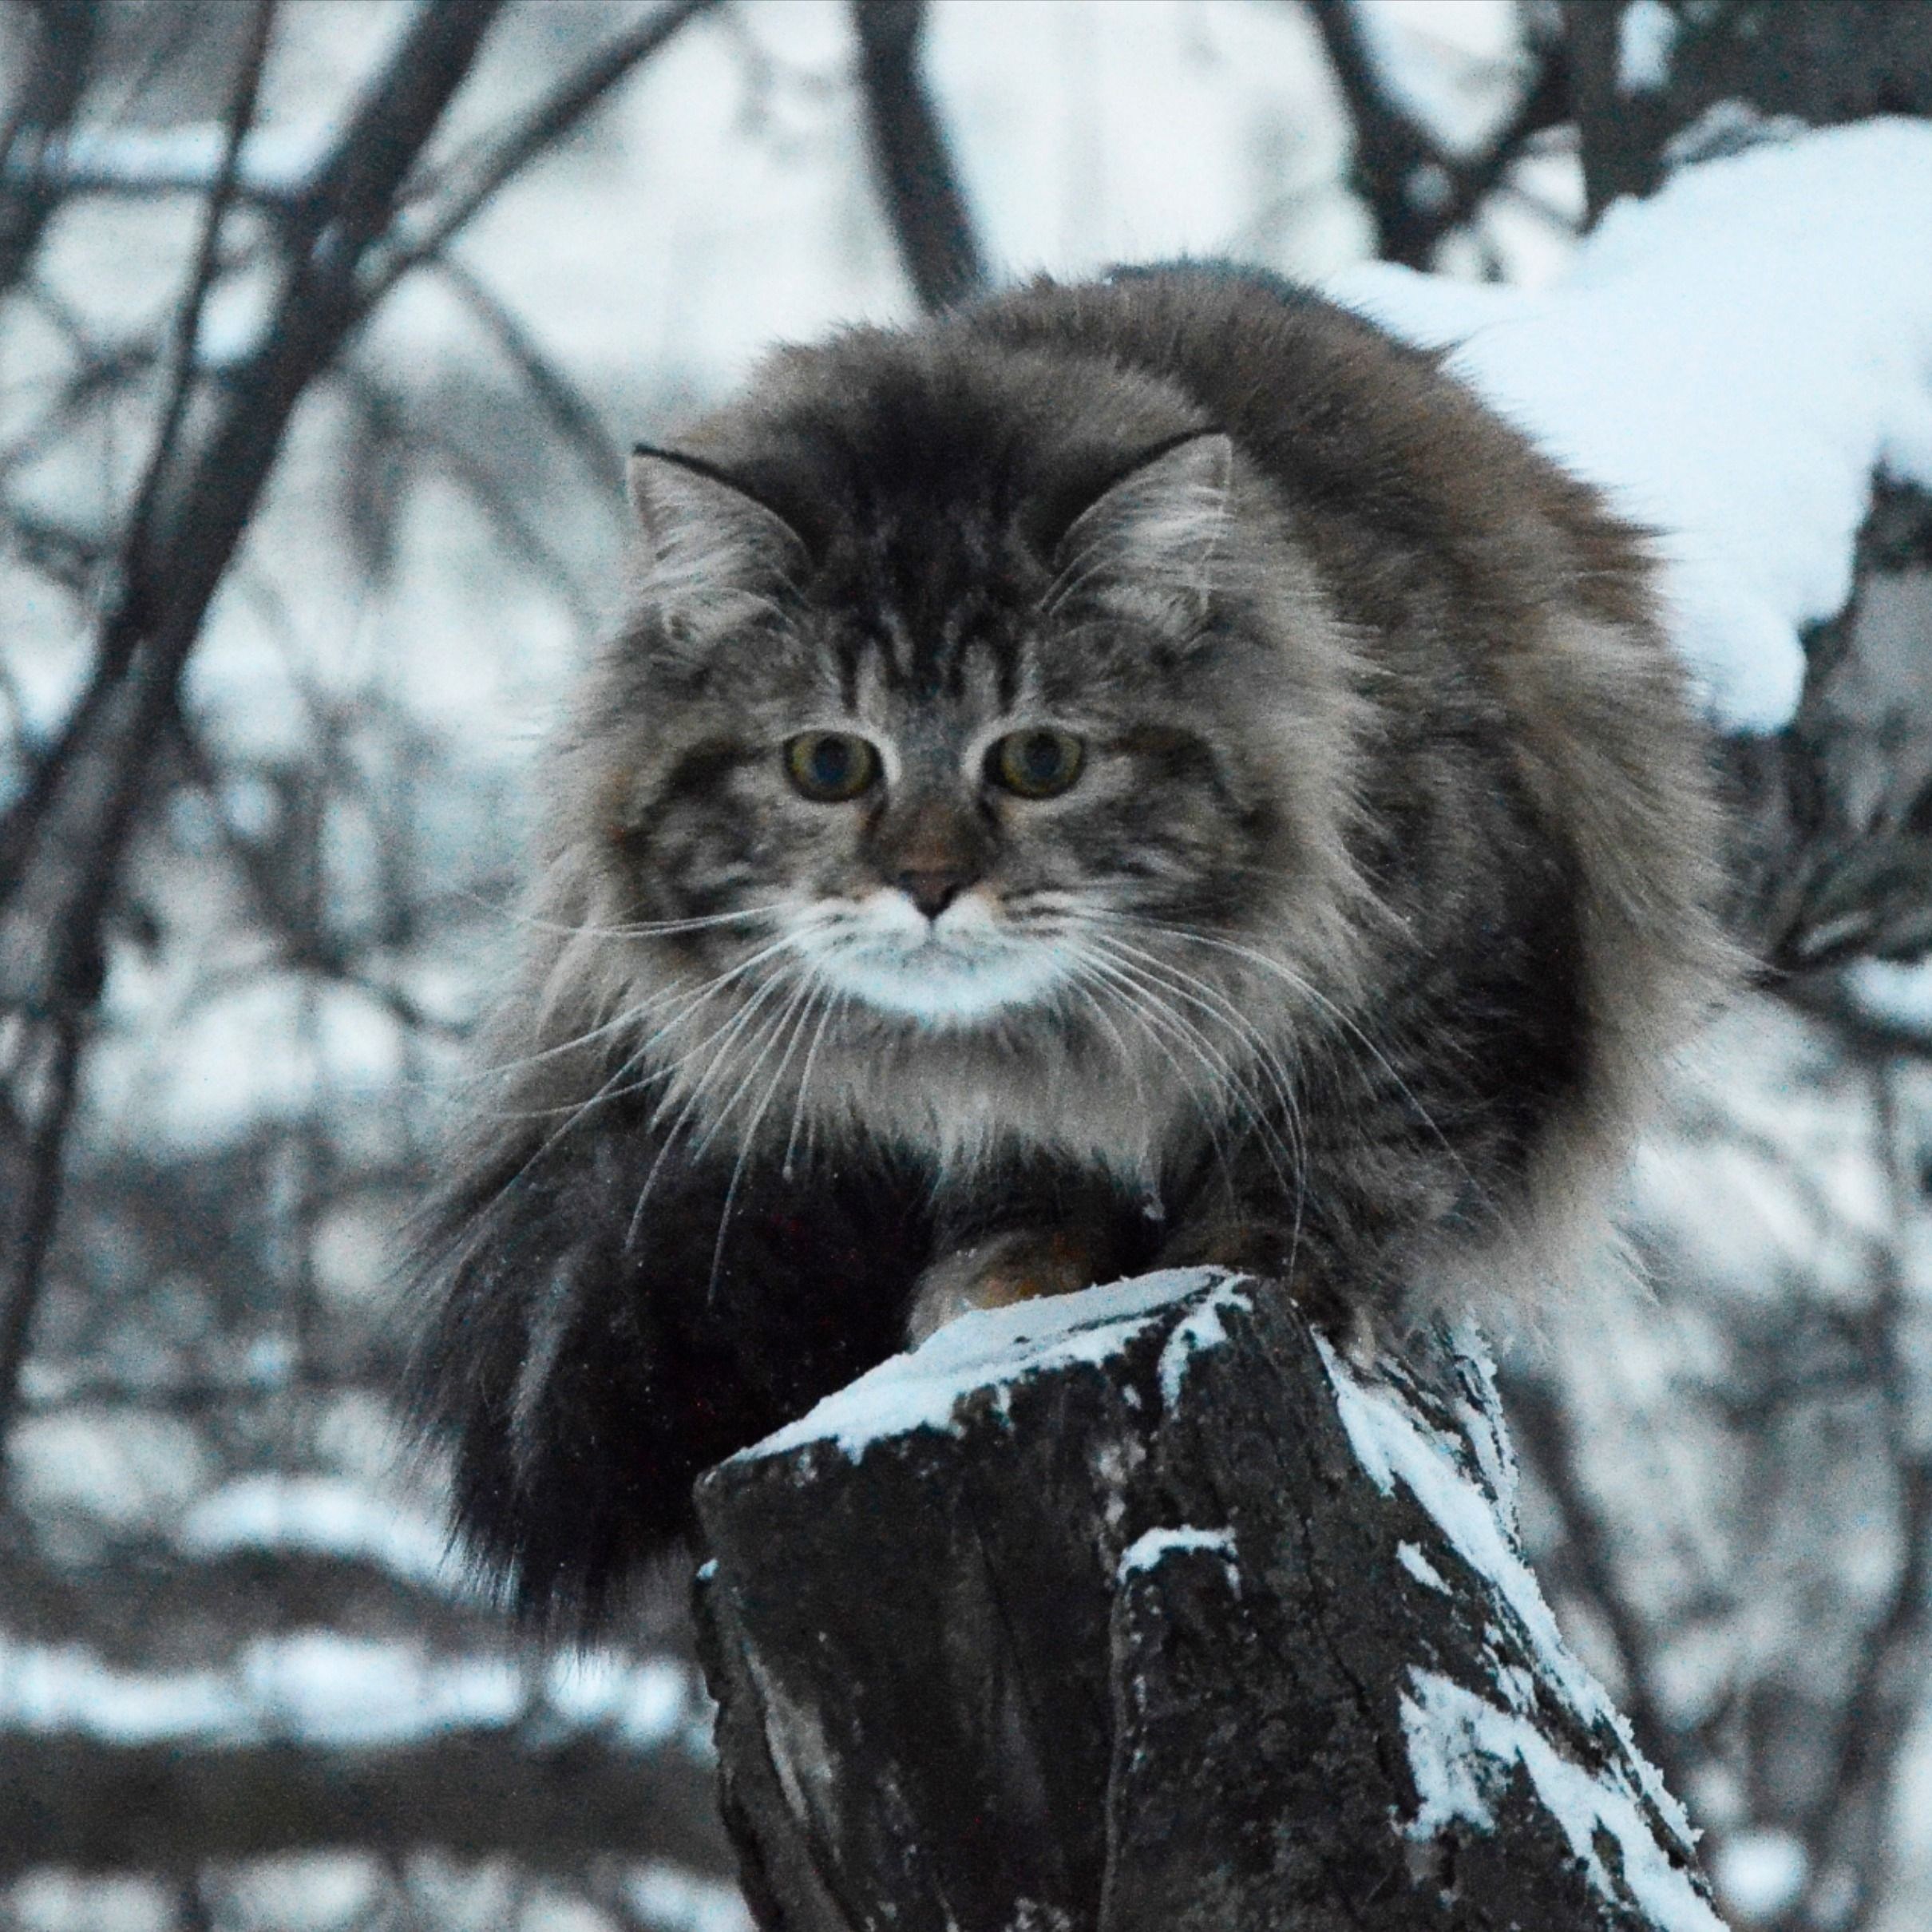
<point>705,538</point>
<point>1161,527</point>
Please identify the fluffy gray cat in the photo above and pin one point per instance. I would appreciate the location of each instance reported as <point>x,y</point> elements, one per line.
<point>1144,772</point>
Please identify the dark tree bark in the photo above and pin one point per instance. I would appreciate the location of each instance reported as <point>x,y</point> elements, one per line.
<point>1166,1621</point>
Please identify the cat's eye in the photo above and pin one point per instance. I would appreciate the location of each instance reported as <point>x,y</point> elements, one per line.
<point>1037,764</point>
<point>831,766</point>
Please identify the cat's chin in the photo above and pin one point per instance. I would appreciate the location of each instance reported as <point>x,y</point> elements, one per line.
<point>935,986</point>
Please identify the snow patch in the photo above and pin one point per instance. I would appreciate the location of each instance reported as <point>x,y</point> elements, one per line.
<point>1760,1873</point>
<point>1646,34</point>
<point>1731,361</point>
<point>1463,1754</point>
<point>330,1689</point>
<point>321,1516</point>
<point>1201,1330</point>
<point>1419,1567</point>
<point>1391,1445</point>
<point>988,1347</point>
<point>1894,994</point>
<point>1155,1546</point>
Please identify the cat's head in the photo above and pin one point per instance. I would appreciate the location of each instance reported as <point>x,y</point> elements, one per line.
<point>963,686</point>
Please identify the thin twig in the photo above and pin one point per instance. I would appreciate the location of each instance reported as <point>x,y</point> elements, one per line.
<point>35,1189</point>
<point>1416,191</point>
<point>572,412</point>
<point>483,173</point>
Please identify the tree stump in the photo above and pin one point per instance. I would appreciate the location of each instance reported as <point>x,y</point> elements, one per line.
<point>1142,1608</point>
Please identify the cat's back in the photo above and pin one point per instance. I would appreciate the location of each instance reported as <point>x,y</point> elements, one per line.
<point>1386,458</point>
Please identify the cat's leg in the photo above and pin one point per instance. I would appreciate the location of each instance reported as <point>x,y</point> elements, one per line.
<point>1321,1236</point>
<point>1343,1305</point>
<point>1018,1265</point>
<point>1064,1237</point>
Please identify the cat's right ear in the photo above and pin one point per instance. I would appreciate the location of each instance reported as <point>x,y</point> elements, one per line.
<point>1160,528</point>
<point>707,542</point>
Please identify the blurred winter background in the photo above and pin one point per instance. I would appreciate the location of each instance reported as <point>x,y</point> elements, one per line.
<point>322,323</point>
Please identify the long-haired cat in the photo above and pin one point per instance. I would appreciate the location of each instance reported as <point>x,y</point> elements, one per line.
<point>1139,772</point>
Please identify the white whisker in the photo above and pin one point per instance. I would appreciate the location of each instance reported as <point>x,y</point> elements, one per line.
<point>802,1004</point>
<point>835,1004</point>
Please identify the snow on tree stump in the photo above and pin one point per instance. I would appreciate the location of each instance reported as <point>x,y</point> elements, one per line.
<point>1139,1608</point>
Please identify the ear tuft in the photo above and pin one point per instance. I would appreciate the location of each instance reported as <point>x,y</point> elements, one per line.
<point>1162,527</point>
<point>706,541</point>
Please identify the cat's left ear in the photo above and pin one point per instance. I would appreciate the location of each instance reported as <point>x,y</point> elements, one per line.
<point>1161,527</point>
<point>705,537</point>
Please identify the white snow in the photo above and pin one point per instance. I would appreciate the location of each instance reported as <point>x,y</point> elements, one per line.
<point>1731,361</point>
<point>1391,1445</point>
<point>1895,994</point>
<point>1201,1330</point>
<point>1419,1567</point>
<point>1482,1426</point>
<point>990,1348</point>
<point>1645,35</point>
<point>1760,1873</point>
<point>322,1516</point>
<point>1464,1752</point>
<point>332,1690</point>
<point>1154,1546</point>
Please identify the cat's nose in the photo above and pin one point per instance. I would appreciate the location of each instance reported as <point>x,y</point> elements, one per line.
<point>932,890</point>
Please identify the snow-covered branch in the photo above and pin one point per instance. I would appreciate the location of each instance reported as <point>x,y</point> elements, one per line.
<point>555,1801</point>
<point>1743,362</point>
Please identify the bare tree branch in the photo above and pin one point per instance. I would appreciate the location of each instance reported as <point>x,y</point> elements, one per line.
<point>31,1174</point>
<point>181,376</point>
<point>1416,191</point>
<point>88,1805</point>
<point>571,412</point>
<point>1395,166</point>
<point>62,843</point>
<point>31,190</point>
<point>911,165</point>
<point>477,176</point>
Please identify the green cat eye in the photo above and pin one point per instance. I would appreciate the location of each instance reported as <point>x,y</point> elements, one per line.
<point>1037,764</point>
<point>831,766</point>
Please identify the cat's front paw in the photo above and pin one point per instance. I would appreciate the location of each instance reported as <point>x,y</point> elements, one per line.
<point>1019,1265</point>
<point>1255,1245</point>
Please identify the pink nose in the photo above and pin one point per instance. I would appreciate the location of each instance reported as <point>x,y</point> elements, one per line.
<point>931,891</point>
